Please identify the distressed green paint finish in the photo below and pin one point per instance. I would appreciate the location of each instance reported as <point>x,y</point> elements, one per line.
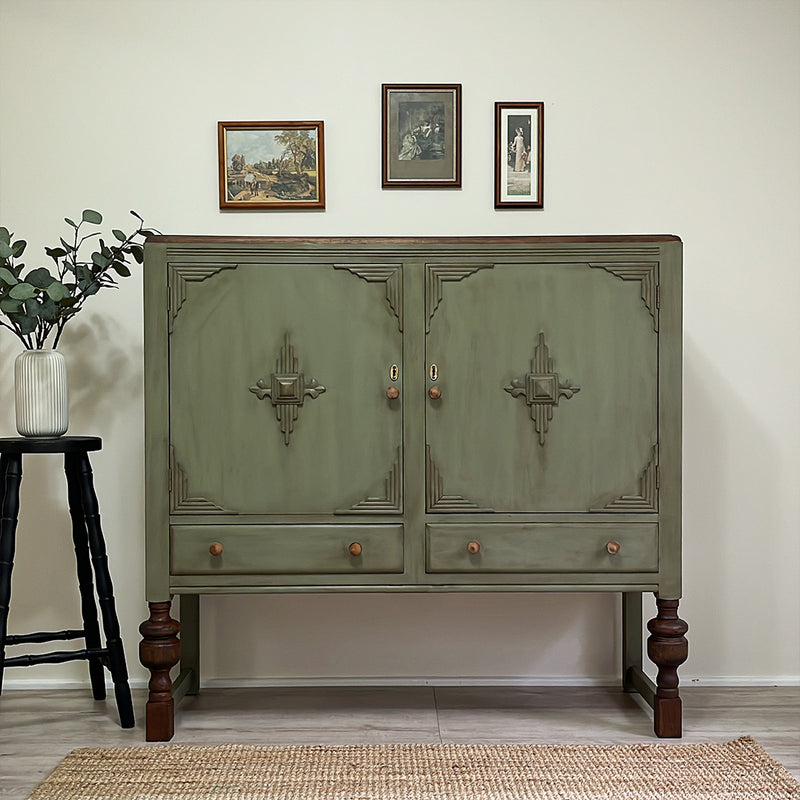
<point>600,337</point>
<point>286,549</point>
<point>244,328</point>
<point>217,314</point>
<point>541,548</point>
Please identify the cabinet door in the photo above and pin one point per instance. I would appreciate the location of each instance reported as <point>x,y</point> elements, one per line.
<point>278,388</point>
<point>548,379</point>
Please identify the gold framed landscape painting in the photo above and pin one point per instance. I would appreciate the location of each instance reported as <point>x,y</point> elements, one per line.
<point>519,155</point>
<point>271,165</point>
<point>421,136</point>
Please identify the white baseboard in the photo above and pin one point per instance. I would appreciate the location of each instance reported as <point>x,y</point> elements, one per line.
<point>741,681</point>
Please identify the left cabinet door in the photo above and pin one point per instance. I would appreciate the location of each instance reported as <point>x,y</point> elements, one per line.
<point>278,379</point>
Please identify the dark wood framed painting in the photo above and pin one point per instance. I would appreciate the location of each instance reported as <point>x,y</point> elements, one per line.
<point>271,165</point>
<point>421,136</point>
<point>519,155</point>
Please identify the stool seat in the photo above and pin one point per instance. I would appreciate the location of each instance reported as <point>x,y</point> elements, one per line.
<point>48,444</point>
<point>92,567</point>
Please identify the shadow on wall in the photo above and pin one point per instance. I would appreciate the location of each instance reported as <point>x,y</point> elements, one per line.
<point>730,512</point>
<point>105,369</point>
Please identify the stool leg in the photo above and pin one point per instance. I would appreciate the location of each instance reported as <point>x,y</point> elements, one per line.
<point>10,479</point>
<point>91,626</point>
<point>79,472</point>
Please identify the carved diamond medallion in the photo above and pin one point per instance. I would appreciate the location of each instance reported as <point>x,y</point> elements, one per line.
<point>542,388</point>
<point>287,389</point>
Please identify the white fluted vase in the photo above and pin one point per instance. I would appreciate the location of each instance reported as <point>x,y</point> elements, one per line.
<point>42,401</point>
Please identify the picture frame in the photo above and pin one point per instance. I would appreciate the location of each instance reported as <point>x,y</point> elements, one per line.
<point>421,136</point>
<point>271,165</point>
<point>519,155</point>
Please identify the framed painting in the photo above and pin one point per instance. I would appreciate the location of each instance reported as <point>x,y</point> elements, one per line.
<point>519,155</point>
<point>421,136</point>
<point>264,165</point>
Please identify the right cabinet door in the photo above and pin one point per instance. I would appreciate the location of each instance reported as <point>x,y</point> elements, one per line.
<point>547,376</point>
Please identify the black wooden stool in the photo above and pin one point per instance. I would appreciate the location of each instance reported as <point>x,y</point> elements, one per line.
<point>90,552</point>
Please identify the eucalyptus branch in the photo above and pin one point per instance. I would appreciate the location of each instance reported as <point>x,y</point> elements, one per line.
<point>39,304</point>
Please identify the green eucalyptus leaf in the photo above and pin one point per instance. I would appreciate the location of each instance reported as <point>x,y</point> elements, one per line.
<point>7,276</point>
<point>70,222</point>
<point>138,253</point>
<point>121,269</point>
<point>5,250</point>
<point>5,235</point>
<point>11,306</point>
<point>91,288</point>
<point>101,260</point>
<point>24,323</point>
<point>40,278</point>
<point>55,252</point>
<point>22,291</point>
<point>94,217</point>
<point>70,248</point>
<point>119,235</point>
<point>57,291</point>
<point>49,310</point>
<point>19,247</point>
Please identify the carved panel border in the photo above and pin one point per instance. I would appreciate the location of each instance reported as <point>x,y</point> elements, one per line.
<point>392,502</point>
<point>436,499</point>
<point>647,274</point>
<point>182,274</point>
<point>435,276</point>
<point>390,274</point>
<point>180,501</point>
<point>647,498</point>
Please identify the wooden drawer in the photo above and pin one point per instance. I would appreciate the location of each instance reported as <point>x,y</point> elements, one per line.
<point>285,549</point>
<point>539,547</point>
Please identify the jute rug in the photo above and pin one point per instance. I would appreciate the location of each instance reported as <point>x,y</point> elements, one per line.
<point>740,770</point>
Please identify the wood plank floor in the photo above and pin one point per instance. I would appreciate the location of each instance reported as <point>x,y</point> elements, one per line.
<point>38,728</point>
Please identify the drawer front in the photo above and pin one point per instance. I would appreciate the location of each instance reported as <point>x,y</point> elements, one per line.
<point>542,548</point>
<point>285,549</point>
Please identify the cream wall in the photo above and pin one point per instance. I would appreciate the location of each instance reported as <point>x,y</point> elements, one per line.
<point>661,117</point>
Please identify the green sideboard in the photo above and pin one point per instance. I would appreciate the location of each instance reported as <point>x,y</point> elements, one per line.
<point>413,414</point>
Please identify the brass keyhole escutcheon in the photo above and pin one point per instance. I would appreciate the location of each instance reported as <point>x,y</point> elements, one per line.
<point>434,372</point>
<point>394,372</point>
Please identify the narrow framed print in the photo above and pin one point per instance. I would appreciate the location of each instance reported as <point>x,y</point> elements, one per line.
<point>265,165</point>
<point>421,136</point>
<point>519,155</point>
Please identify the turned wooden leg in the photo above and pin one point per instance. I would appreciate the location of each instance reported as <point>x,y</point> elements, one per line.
<point>159,651</point>
<point>668,649</point>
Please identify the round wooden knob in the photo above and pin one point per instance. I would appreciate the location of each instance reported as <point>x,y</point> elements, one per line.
<point>434,393</point>
<point>355,549</point>
<point>215,549</point>
<point>613,548</point>
<point>474,547</point>
<point>393,393</point>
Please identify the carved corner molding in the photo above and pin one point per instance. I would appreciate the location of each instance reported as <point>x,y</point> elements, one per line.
<point>180,276</point>
<point>436,499</point>
<point>180,501</point>
<point>287,389</point>
<point>541,388</point>
<point>390,274</point>
<point>647,274</point>
<point>647,497</point>
<point>391,503</point>
<point>435,276</point>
